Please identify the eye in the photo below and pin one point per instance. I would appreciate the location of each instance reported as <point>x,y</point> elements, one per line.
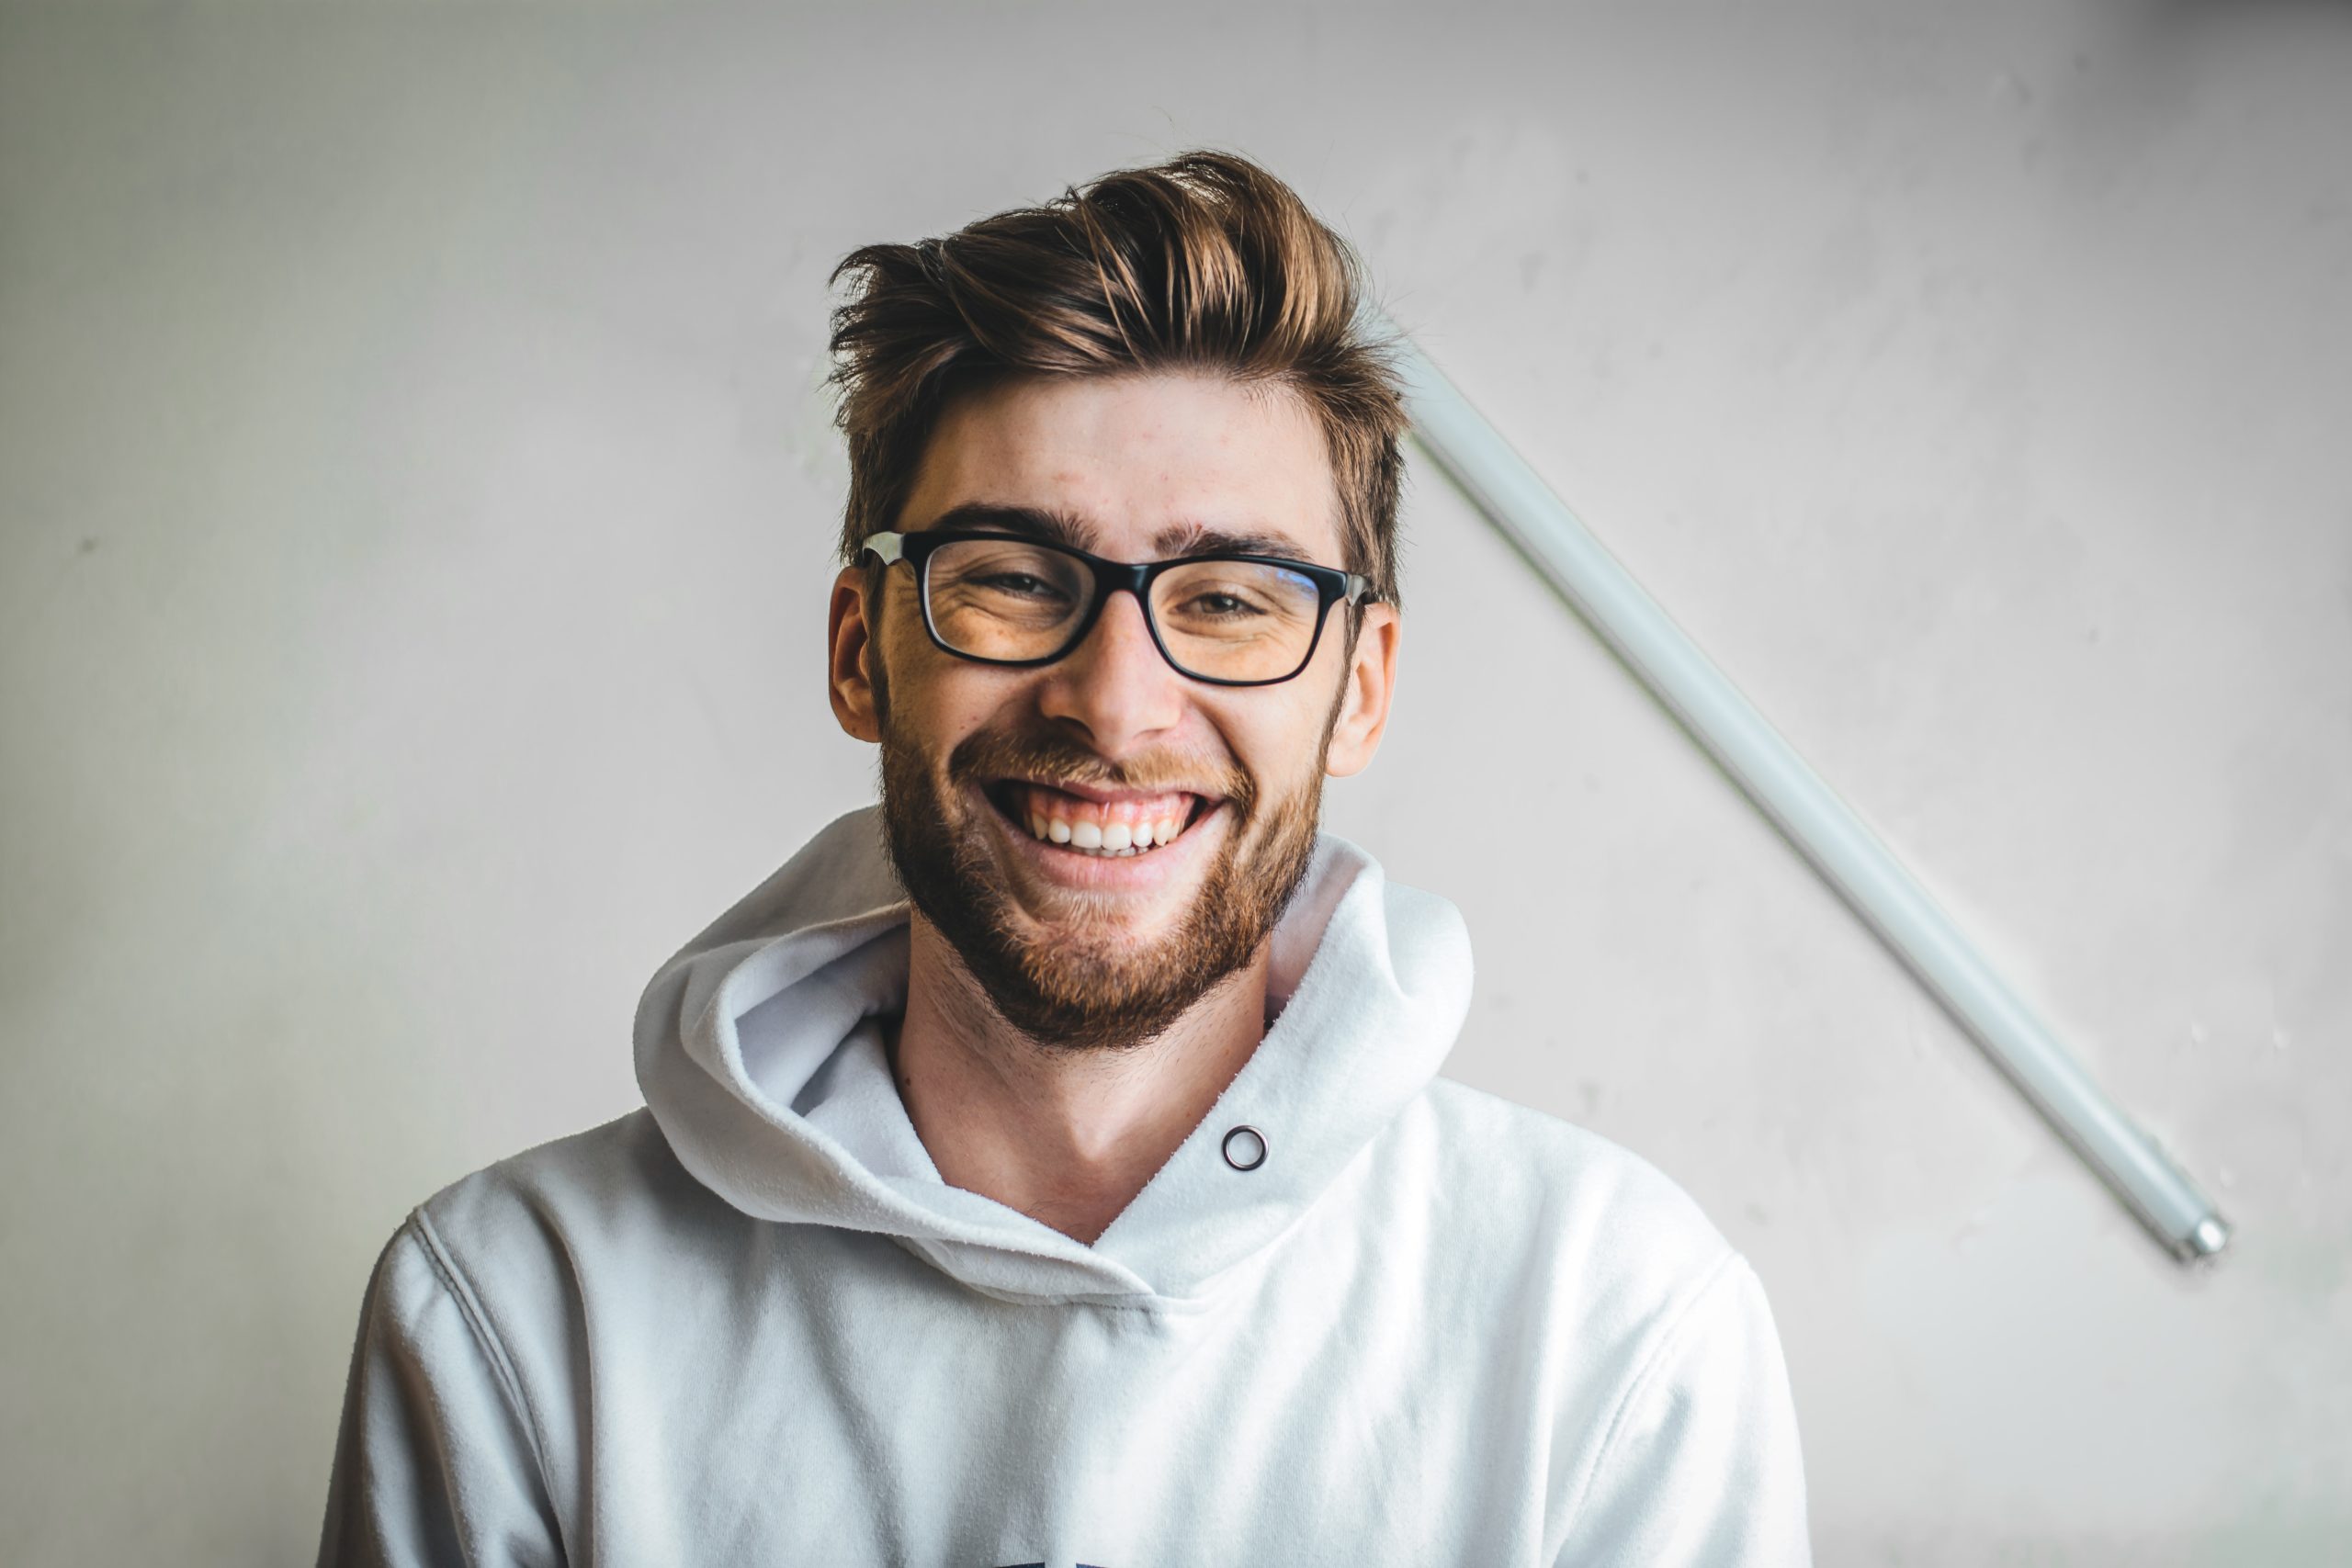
<point>1220,604</point>
<point>1020,583</point>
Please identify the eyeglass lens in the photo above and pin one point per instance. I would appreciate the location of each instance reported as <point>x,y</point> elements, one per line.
<point>1222,620</point>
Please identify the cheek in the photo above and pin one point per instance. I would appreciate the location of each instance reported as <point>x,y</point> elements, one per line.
<point>935,701</point>
<point>1281,746</point>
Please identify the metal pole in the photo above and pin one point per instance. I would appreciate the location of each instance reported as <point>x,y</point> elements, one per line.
<point>1822,826</point>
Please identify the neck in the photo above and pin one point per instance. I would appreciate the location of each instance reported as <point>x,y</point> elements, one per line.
<point>1068,1137</point>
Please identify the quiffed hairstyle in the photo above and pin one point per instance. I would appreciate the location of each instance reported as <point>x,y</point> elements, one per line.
<point>1206,263</point>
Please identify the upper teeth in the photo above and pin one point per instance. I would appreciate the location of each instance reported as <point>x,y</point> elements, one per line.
<point>1059,820</point>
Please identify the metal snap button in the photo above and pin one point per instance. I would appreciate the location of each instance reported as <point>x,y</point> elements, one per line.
<point>1245,1149</point>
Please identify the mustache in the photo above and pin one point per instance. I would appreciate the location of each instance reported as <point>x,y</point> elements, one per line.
<point>1050,759</point>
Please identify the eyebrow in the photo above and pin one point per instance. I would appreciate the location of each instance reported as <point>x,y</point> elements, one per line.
<point>1068,528</point>
<point>1199,539</point>
<point>1037,522</point>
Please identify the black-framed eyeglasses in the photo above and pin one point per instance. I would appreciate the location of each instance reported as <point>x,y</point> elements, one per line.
<point>1226,618</point>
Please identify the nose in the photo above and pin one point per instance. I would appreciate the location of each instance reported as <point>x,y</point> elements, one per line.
<point>1113,684</point>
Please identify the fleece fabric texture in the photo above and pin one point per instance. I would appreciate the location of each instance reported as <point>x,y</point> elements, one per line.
<point>750,1324</point>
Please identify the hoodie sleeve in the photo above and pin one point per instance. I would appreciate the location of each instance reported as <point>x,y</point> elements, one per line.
<point>1701,1467</point>
<point>437,1463</point>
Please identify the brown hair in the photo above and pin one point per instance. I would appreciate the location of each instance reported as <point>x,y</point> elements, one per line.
<point>1204,262</point>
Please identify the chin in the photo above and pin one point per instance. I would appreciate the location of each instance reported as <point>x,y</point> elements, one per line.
<point>1093,904</point>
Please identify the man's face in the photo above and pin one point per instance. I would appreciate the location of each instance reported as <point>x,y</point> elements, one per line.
<point>1077,943</point>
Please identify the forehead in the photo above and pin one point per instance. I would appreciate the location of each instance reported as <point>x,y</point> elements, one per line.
<point>1140,464</point>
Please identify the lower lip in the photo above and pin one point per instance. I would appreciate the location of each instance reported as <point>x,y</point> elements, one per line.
<point>1108,873</point>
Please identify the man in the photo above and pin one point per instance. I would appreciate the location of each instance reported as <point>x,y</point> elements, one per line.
<point>1052,1170</point>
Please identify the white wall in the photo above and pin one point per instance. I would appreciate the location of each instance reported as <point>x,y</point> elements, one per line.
<point>413,508</point>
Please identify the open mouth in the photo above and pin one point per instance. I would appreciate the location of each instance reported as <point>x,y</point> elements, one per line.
<point>1105,824</point>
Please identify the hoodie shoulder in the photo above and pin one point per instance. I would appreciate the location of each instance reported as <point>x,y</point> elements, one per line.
<point>526,1229</point>
<point>1620,1225</point>
<point>600,1175</point>
<point>1677,1420</point>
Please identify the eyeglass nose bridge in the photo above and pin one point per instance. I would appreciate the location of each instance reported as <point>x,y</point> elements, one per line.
<point>1120,576</point>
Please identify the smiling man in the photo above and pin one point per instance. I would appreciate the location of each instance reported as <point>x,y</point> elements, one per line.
<point>1051,1168</point>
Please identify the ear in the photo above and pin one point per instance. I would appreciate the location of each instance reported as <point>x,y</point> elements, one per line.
<point>849,673</point>
<point>1371,680</point>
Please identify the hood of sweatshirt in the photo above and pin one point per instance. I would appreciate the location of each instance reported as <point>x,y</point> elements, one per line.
<point>760,1050</point>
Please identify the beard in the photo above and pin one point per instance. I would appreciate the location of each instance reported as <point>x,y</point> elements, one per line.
<point>1080,984</point>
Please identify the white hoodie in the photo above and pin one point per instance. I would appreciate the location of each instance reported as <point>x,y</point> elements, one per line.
<point>750,1325</point>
